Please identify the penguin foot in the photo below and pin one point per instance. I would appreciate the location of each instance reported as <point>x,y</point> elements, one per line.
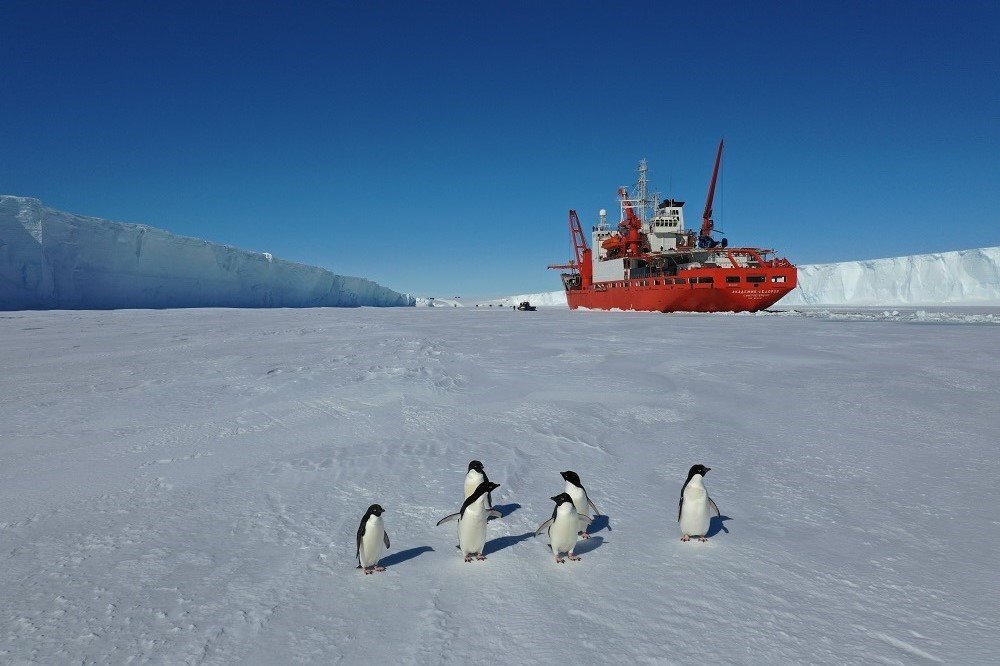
<point>480,556</point>
<point>560,560</point>
<point>368,572</point>
<point>702,539</point>
<point>379,568</point>
<point>468,558</point>
<point>584,535</point>
<point>574,558</point>
<point>685,538</point>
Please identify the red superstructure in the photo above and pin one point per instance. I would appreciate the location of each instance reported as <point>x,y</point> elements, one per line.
<point>656,264</point>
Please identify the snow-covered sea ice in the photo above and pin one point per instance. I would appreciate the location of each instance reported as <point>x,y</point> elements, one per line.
<point>185,486</point>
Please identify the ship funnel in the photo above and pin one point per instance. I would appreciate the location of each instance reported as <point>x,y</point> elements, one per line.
<point>604,218</point>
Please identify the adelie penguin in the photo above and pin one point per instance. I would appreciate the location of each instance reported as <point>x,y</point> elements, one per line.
<point>371,537</point>
<point>695,507</point>
<point>582,502</point>
<point>472,521</point>
<point>563,527</point>
<point>476,477</point>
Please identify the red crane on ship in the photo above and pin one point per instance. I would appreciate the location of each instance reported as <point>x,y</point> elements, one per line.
<point>630,241</point>
<point>583,261</point>
<point>631,226</point>
<point>705,239</point>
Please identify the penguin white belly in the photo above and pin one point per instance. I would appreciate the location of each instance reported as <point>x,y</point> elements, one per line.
<point>472,481</point>
<point>563,531</point>
<point>695,517</point>
<point>372,545</point>
<point>579,496</point>
<point>472,531</point>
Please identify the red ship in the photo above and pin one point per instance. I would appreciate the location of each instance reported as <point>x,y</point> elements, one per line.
<point>653,263</point>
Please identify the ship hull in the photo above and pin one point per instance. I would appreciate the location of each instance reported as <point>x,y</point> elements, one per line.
<point>691,291</point>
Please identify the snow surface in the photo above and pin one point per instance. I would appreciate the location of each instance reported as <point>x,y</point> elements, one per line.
<point>185,486</point>
<point>52,259</point>
<point>965,277</point>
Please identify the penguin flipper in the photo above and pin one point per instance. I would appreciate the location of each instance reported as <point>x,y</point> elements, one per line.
<point>714,506</point>
<point>594,506</point>
<point>385,538</point>
<point>494,513</point>
<point>544,525</point>
<point>680,505</point>
<point>448,519</point>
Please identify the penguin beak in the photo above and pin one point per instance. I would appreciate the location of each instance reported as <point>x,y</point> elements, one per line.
<point>708,469</point>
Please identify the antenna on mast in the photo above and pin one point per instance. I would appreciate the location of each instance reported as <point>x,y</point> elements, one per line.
<point>640,189</point>
<point>642,199</point>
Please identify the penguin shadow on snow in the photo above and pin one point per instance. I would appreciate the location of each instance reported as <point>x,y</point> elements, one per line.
<point>717,525</point>
<point>584,546</point>
<point>498,544</point>
<point>506,509</point>
<point>599,523</point>
<point>404,555</point>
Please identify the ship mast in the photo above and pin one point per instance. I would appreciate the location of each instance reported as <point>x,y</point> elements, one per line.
<point>642,200</point>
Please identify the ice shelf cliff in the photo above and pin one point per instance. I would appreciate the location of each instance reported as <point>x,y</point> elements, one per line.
<point>50,259</point>
<point>962,277</point>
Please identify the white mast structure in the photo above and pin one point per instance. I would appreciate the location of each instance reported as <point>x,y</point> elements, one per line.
<point>641,200</point>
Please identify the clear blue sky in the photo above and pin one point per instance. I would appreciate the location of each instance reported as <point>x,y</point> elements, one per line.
<point>436,147</point>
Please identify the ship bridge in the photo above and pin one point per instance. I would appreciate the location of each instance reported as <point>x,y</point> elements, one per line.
<point>666,227</point>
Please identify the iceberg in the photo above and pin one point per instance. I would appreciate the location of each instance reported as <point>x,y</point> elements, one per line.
<point>51,259</point>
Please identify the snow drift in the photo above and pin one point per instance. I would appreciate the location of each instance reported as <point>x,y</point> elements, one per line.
<point>52,259</point>
<point>963,277</point>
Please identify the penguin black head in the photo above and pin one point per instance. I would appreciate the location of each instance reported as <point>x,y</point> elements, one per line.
<point>561,498</point>
<point>375,510</point>
<point>698,469</point>
<point>476,465</point>
<point>572,477</point>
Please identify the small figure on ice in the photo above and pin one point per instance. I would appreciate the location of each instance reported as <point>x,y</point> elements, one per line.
<point>371,537</point>
<point>582,502</point>
<point>693,509</point>
<point>563,527</point>
<point>472,521</point>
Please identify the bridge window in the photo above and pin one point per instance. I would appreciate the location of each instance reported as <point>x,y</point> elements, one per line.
<point>732,278</point>
<point>706,280</point>
<point>778,278</point>
<point>755,278</point>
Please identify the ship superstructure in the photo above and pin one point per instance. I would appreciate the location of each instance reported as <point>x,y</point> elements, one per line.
<point>653,262</point>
